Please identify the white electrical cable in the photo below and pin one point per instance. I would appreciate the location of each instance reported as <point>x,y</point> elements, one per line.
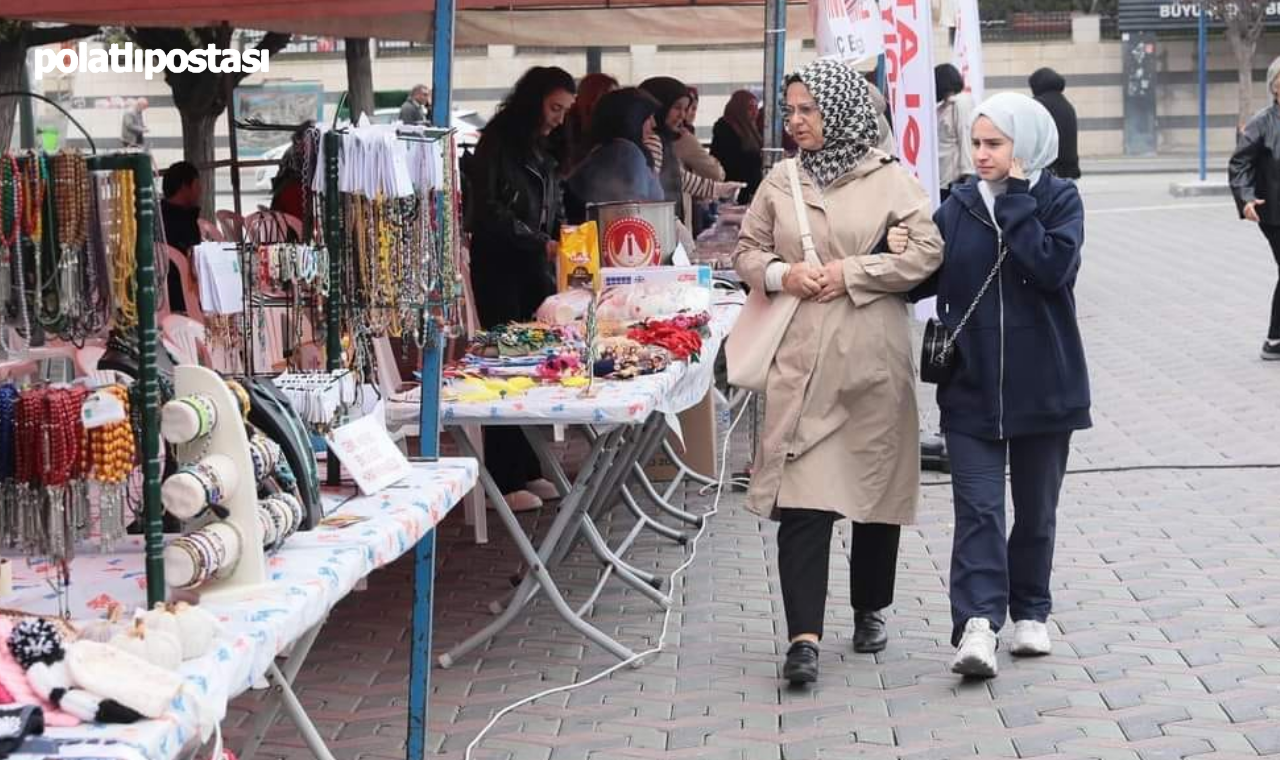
<point>666,619</point>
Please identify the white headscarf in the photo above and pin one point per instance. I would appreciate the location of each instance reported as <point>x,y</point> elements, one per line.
<point>1031,129</point>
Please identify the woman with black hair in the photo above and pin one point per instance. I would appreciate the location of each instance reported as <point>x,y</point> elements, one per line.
<point>618,168</point>
<point>514,214</point>
<point>955,109</point>
<point>673,104</point>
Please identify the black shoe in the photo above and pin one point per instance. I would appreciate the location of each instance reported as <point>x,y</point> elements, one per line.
<point>1271,351</point>
<point>869,634</point>
<point>933,454</point>
<point>802,663</point>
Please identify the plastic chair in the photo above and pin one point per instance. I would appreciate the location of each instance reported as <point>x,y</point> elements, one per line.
<point>190,287</point>
<point>209,232</point>
<point>231,224</point>
<point>186,337</point>
<point>87,359</point>
<point>271,227</point>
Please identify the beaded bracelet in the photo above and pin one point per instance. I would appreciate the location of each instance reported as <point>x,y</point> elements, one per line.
<point>205,411</point>
<point>242,396</point>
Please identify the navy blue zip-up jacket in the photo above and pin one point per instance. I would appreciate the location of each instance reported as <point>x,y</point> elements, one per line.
<point>1021,367</point>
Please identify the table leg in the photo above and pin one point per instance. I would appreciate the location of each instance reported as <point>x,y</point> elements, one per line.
<point>274,702</point>
<point>568,515</point>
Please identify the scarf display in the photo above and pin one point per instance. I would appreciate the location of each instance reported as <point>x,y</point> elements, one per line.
<point>849,126</point>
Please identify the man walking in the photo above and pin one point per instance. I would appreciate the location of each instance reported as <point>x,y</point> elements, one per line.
<point>414,110</point>
<point>133,128</point>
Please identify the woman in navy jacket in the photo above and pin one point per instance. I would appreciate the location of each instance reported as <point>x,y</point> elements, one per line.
<point>1020,385</point>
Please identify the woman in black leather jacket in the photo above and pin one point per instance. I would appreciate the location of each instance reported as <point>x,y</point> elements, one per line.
<point>1255,182</point>
<point>514,213</point>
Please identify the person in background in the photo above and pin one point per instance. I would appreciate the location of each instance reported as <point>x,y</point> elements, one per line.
<point>955,115</point>
<point>841,430</point>
<point>287,188</point>
<point>1254,172</point>
<point>133,127</point>
<point>618,168</point>
<point>416,106</point>
<point>514,213</point>
<point>736,143</point>
<point>577,125</point>
<point>888,143</point>
<point>1020,385</point>
<point>1047,87</point>
<point>677,180</point>
<point>180,214</point>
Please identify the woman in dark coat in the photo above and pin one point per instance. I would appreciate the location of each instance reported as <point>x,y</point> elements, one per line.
<point>1020,385</point>
<point>737,144</point>
<point>1047,86</point>
<point>617,168</point>
<point>514,215</point>
<point>1255,181</point>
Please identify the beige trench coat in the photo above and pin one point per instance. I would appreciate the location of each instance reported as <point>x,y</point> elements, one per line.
<point>841,429</point>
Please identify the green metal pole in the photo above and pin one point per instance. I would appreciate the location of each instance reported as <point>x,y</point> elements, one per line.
<point>148,377</point>
<point>336,243</point>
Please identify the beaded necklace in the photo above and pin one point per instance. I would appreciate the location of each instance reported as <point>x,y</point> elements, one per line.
<point>122,249</point>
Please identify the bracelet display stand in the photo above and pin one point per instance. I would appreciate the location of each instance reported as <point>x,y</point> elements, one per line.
<point>228,439</point>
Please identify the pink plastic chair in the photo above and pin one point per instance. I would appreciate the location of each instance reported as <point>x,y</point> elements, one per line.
<point>209,232</point>
<point>187,338</point>
<point>190,287</point>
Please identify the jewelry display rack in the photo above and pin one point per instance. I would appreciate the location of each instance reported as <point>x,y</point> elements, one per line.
<point>228,439</point>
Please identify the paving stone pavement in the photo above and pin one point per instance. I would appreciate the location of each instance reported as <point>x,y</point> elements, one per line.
<point>1167,582</point>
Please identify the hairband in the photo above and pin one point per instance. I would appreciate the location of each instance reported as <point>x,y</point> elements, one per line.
<point>241,395</point>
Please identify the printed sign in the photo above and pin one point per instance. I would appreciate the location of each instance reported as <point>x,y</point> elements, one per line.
<point>847,29</point>
<point>369,454</point>
<point>631,242</point>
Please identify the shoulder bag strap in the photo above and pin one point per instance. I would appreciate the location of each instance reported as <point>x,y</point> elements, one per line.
<point>802,213</point>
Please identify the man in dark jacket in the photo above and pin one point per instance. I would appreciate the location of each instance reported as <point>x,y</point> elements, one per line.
<point>1047,86</point>
<point>180,213</point>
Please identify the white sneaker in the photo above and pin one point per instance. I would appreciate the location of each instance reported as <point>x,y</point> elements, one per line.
<point>542,488</point>
<point>521,501</point>
<point>976,656</point>
<point>1030,639</point>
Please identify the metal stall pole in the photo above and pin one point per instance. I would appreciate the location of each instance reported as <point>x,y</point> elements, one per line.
<point>424,556</point>
<point>1202,44</point>
<point>775,62</point>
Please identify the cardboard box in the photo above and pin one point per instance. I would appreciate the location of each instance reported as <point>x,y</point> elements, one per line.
<point>694,275</point>
<point>701,441</point>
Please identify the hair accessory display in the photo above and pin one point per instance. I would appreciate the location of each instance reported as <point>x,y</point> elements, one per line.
<point>200,486</point>
<point>188,418</point>
<point>266,455</point>
<point>209,553</point>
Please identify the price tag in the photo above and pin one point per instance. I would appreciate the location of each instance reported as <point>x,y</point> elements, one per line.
<point>100,410</point>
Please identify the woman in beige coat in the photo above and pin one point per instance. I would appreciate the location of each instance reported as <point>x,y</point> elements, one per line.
<point>841,435</point>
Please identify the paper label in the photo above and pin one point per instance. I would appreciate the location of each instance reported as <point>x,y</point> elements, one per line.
<point>369,454</point>
<point>100,410</point>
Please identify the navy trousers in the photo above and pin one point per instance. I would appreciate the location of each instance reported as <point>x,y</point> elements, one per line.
<point>992,575</point>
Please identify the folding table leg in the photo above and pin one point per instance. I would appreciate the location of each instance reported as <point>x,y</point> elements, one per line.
<point>274,701</point>
<point>568,515</point>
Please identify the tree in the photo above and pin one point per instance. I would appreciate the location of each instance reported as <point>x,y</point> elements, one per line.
<point>359,78</point>
<point>201,97</point>
<point>1244,22</point>
<point>16,38</point>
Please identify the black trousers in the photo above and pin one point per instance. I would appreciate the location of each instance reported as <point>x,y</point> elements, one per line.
<point>508,290</point>
<point>804,558</point>
<point>1273,237</point>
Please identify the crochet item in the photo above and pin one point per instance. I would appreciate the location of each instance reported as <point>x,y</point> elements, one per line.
<point>129,681</point>
<point>37,646</point>
<point>13,677</point>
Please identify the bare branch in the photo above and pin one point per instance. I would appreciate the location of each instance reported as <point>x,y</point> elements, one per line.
<point>272,43</point>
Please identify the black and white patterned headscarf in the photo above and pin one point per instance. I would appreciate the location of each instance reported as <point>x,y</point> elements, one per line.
<point>849,125</point>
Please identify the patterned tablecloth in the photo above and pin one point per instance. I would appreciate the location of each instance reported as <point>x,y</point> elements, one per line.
<point>615,402</point>
<point>311,574</point>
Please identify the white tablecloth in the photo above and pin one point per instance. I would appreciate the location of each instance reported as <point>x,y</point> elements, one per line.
<point>313,572</point>
<point>614,402</point>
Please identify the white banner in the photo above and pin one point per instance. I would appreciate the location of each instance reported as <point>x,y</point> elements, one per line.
<point>968,52</point>
<point>846,29</point>
<point>908,43</point>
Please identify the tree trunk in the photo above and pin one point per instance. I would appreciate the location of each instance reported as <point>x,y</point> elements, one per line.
<point>359,78</point>
<point>12,56</point>
<point>1244,50</point>
<point>198,148</point>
